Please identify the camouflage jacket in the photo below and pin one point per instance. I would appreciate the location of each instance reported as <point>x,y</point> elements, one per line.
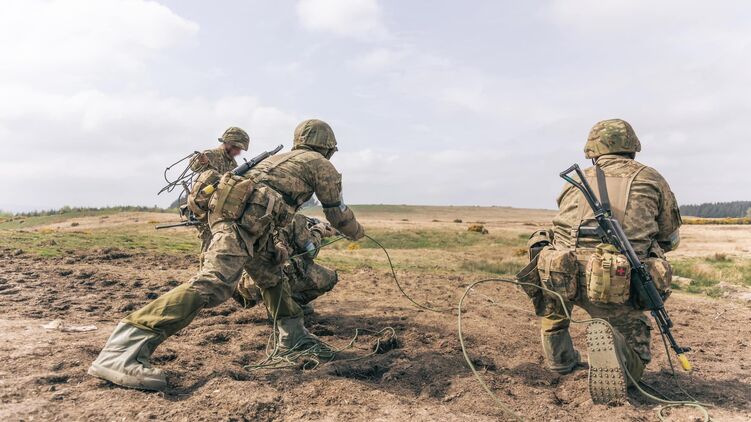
<point>218,160</point>
<point>642,202</point>
<point>299,174</point>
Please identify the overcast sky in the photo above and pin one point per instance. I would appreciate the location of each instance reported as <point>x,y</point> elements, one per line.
<point>433,102</point>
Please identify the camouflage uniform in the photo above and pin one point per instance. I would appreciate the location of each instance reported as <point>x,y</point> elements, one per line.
<point>280,185</point>
<point>308,280</point>
<point>643,202</point>
<point>250,242</point>
<point>219,161</point>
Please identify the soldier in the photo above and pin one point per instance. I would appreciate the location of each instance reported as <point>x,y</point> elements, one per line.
<point>572,261</point>
<point>307,279</point>
<point>245,213</point>
<point>218,161</point>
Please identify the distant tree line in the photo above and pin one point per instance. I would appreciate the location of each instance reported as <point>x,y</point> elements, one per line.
<point>735,209</point>
<point>68,210</point>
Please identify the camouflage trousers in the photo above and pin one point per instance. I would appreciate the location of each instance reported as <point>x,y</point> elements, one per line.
<point>307,280</point>
<point>224,261</point>
<point>204,234</point>
<point>633,325</point>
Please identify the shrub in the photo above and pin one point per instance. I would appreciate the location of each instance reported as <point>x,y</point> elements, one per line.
<point>478,228</point>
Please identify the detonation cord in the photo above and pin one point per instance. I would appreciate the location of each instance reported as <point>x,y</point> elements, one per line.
<point>276,359</point>
<point>311,350</point>
<point>665,403</point>
<point>185,178</point>
<point>399,286</point>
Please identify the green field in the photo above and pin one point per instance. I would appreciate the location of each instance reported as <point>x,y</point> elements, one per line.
<point>419,239</point>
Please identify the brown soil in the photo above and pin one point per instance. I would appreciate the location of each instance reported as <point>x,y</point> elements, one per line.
<point>422,377</point>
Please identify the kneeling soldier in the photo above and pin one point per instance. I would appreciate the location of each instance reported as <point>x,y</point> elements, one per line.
<point>571,260</point>
<point>308,280</point>
<point>245,214</point>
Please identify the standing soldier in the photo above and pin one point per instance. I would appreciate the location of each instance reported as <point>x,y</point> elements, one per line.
<point>245,213</point>
<point>308,280</point>
<point>212,164</point>
<point>572,261</point>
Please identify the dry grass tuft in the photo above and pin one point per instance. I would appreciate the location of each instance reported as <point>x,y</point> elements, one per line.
<point>716,221</point>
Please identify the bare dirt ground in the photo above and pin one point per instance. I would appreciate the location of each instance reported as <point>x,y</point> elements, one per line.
<point>421,377</point>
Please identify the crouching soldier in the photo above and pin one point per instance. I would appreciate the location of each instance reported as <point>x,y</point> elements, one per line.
<point>212,164</point>
<point>308,280</point>
<point>245,214</point>
<point>571,260</point>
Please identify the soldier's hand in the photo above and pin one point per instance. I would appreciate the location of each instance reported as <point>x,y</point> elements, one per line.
<point>202,159</point>
<point>281,254</point>
<point>325,229</point>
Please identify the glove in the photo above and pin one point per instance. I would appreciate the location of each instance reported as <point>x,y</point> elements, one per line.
<point>281,253</point>
<point>325,230</point>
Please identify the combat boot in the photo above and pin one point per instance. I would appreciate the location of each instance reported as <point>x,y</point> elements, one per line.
<point>294,336</point>
<point>124,360</point>
<point>607,376</point>
<point>559,351</point>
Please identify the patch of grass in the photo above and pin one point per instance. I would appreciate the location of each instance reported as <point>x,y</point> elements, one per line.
<point>30,220</point>
<point>58,243</point>
<point>707,273</point>
<point>716,221</point>
<point>500,267</point>
<point>384,209</point>
<point>418,239</point>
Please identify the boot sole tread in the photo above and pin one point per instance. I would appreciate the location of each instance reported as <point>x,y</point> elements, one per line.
<point>607,378</point>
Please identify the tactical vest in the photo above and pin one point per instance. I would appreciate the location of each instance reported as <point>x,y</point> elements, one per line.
<point>619,191</point>
<point>275,162</point>
<point>198,201</point>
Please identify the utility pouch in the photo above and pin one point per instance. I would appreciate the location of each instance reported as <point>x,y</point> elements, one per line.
<point>265,209</point>
<point>608,275</point>
<point>662,275</point>
<point>230,198</point>
<point>558,272</point>
<point>544,305</point>
<point>198,201</point>
<point>537,241</point>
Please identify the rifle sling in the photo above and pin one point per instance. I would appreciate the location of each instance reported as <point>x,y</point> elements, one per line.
<point>602,186</point>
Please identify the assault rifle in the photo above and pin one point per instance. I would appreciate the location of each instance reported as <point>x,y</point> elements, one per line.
<point>188,222</point>
<point>611,232</point>
<point>190,218</point>
<point>244,167</point>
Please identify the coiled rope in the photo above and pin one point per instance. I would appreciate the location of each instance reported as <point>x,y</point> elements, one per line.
<point>666,403</point>
<point>308,351</point>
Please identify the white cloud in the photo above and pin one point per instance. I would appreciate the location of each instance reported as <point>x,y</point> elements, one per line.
<point>379,60</point>
<point>79,123</point>
<point>113,147</point>
<point>102,94</point>
<point>50,43</point>
<point>349,18</point>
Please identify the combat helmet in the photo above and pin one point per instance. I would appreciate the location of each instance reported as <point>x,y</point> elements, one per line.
<point>611,137</point>
<point>236,137</point>
<point>316,135</point>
